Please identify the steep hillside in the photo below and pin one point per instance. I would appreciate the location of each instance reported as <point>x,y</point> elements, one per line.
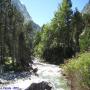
<point>86,9</point>
<point>85,36</point>
<point>19,6</point>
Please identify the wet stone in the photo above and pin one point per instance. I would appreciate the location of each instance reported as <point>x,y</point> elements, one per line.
<point>40,86</point>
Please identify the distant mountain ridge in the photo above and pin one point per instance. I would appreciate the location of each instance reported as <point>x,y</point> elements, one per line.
<point>86,9</point>
<point>19,6</point>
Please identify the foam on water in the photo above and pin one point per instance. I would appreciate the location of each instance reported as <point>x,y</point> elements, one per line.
<point>47,72</point>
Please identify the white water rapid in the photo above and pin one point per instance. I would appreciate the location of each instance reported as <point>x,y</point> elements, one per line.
<point>46,72</point>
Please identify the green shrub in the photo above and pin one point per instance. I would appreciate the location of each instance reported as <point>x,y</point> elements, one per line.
<point>85,40</point>
<point>79,67</point>
<point>10,65</point>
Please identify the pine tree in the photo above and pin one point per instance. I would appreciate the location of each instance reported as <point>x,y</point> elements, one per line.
<point>78,26</point>
<point>63,21</point>
<point>11,29</point>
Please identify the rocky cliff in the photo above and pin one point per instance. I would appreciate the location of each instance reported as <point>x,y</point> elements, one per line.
<point>19,6</point>
<point>86,8</point>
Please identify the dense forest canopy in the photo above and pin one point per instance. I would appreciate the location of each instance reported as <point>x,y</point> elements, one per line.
<point>59,39</point>
<point>15,37</point>
<point>66,35</point>
<point>64,38</point>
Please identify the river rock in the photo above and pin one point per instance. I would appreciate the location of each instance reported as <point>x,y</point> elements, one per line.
<point>40,86</point>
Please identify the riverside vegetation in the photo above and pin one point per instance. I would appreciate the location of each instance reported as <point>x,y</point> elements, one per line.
<point>67,34</point>
<point>78,71</point>
<point>15,38</point>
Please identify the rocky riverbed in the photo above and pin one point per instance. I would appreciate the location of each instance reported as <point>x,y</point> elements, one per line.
<point>47,74</point>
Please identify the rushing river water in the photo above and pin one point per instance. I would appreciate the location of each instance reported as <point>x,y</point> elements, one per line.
<point>46,72</point>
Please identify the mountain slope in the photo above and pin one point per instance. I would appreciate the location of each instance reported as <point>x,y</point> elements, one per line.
<point>86,9</point>
<point>85,36</point>
<point>19,6</point>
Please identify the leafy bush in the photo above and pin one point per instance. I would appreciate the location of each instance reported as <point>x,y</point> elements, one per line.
<point>80,68</point>
<point>85,40</point>
<point>10,65</point>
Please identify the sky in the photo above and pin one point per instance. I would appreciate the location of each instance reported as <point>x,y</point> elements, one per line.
<point>42,11</point>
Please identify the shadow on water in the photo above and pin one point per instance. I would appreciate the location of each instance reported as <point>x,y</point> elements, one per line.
<point>13,76</point>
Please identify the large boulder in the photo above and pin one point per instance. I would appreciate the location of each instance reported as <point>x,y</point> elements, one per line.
<point>40,86</point>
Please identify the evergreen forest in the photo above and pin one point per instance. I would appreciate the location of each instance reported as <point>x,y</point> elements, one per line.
<point>64,41</point>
